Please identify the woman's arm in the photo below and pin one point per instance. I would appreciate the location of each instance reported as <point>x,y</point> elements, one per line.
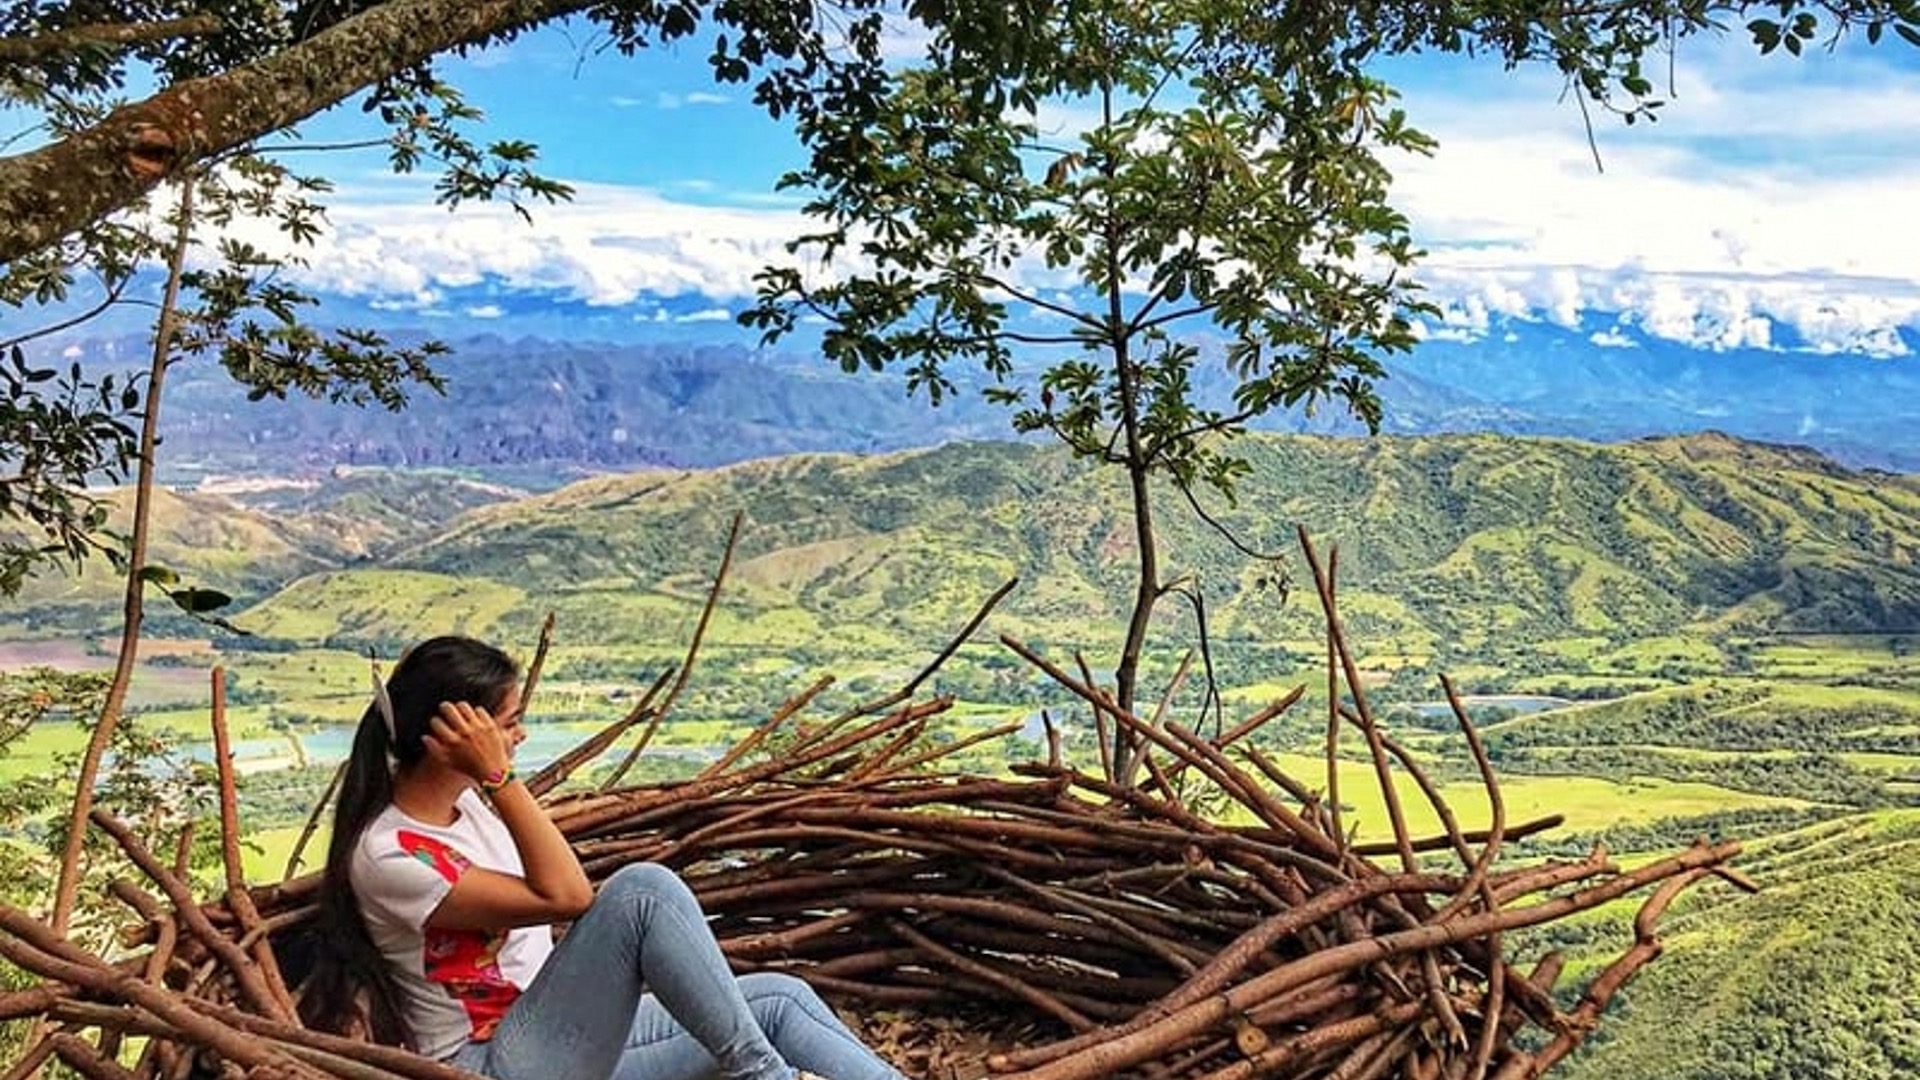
<point>555,888</point>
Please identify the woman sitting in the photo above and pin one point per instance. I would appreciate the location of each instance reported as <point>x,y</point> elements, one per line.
<point>444,875</point>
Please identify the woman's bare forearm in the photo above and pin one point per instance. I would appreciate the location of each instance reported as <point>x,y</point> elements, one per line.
<point>551,868</point>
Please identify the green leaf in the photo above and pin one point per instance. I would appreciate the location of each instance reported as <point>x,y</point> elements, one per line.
<point>197,601</point>
<point>159,575</point>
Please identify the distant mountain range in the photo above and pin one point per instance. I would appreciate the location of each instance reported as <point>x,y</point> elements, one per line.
<point>1470,546</point>
<point>1540,380</point>
<point>538,411</point>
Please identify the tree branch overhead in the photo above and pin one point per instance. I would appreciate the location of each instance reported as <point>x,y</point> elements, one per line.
<point>54,190</point>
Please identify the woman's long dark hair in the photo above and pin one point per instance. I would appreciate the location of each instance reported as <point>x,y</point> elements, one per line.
<point>345,963</point>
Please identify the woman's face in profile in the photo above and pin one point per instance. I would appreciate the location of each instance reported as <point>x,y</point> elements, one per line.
<point>509,716</point>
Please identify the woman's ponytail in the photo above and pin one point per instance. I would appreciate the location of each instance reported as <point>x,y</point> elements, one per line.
<point>350,990</point>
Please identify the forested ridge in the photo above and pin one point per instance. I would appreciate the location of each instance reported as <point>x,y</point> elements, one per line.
<point>1469,547</point>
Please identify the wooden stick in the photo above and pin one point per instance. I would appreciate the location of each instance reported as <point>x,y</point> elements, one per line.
<point>1314,1043</point>
<point>1103,734</point>
<point>1600,992</point>
<point>539,662</point>
<point>1333,715</point>
<point>955,747</point>
<point>36,1056</point>
<point>1496,833</point>
<point>686,665</point>
<point>1232,960</point>
<point>248,974</point>
<point>966,632</point>
<point>85,1059</point>
<point>1389,791</point>
<point>559,769</point>
<point>1111,1056</point>
<point>906,690</point>
<point>237,896</point>
<point>1039,999</point>
<point>1260,719</point>
<point>313,820</point>
<point>35,947</point>
<point>759,734</point>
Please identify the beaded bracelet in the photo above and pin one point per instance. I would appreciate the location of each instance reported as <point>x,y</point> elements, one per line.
<point>498,780</point>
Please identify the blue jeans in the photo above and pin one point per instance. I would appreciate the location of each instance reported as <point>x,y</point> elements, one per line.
<point>587,1016</point>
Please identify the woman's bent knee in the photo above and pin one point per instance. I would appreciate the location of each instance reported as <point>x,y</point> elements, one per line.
<point>642,879</point>
<point>776,984</point>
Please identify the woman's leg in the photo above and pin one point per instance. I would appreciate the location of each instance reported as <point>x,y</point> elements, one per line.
<point>801,1027</point>
<point>645,929</point>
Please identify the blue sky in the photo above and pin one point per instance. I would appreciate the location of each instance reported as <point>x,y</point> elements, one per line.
<point>1770,207</point>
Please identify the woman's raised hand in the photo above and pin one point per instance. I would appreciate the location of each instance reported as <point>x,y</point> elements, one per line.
<point>464,738</point>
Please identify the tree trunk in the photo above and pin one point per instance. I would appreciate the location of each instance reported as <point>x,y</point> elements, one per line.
<point>133,610</point>
<point>1146,594</point>
<point>1147,589</point>
<point>52,191</point>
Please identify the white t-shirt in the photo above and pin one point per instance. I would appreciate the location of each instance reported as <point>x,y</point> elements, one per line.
<point>455,985</point>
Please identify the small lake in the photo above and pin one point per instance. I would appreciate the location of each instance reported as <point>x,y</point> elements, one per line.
<point>1518,704</point>
<point>330,745</point>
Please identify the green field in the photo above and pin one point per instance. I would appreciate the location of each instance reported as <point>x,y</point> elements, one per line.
<point>1590,803</point>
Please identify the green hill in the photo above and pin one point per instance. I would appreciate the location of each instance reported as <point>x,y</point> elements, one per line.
<point>1477,554</point>
<point>1811,979</point>
<point>360,514</point>
<point>1461,545</point>
<point>208,539</point>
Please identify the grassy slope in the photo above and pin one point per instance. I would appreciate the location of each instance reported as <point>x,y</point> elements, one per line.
<point>1465,544</point>
<point>383,603</point>
<point>1812,979</point>
<point>370,513</point>
<point>1475,552</point>
<point>207,539</point>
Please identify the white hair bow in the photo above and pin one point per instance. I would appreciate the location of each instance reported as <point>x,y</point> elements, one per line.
<point>383,703</point>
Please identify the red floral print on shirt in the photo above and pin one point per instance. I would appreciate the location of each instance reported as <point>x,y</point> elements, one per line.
<point>465,962</point>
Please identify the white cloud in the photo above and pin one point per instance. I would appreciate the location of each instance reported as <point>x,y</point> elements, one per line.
<point>1425,331</point>
<point>1736,215</point>
<point>671,100</point>
<point>705,315</point>
<point>417,300</point>
<point>611,246</point>
<point>485,311</point>
<point>1767,209</point>
<point>1611,339</point>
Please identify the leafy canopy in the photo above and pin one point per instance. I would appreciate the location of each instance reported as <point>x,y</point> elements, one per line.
<point>1222,163</point>
<point>1230,173</point>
